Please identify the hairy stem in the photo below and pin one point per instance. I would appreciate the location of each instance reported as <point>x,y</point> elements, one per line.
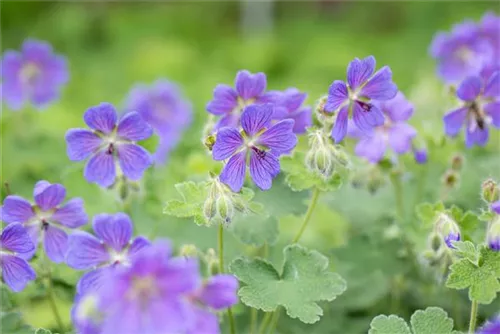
<point>232,327</point>
<point>473,317</point>
<point>51,297</point>
<point>307,217</point>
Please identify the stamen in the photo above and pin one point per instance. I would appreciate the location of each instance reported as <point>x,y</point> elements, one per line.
<point>111,149</point>
<point>261,154</point>
<point>45,225</point>
<point>366,106</point>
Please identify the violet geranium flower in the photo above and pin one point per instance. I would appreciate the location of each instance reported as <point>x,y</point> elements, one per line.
<point>15,247</point>
<point>47,219</point>
<point>395,133</point>
<point>164,107</point>
<point>363,86</point>
<point>33,75</point>
<point>112,247</point>
<point>491,327</point>
<point>259,143</point>
<point>109,141</point>
<point>289,106</point>
<point>481,107</point>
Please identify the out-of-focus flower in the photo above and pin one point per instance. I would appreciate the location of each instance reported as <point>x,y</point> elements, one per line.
<point>448,229</point>
<point>490,191</point>
<point>288,105</point>
<point>493,234</point>
<point>229,102</point>
<point>47,219</point>
<point>164,107</point>
<point>15,247</point>
<point>491,327</point>
<point>481,107</point>
<point>112,247</point>
<point>260,143</point>
<point>356,97</point>
<point>420,155</point>
<point>495,207</point>
<point>108,142</point>
<point>34,75</point>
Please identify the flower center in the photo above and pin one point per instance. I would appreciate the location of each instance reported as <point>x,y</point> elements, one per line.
<point>29,73</point>
<point>476,116</point>
<point>464,54</point>
<point>261,154</point>
<point>143,289</point>
<point>118,258</point>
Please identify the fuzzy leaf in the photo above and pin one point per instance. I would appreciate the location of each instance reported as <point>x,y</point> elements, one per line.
<point>305,280</point>
<point>392,324</point>
<point>193,195</point>
<point>42,331</point>
<point>466,249</point>
<point>433,320</point>
<point>256,230</point>
<point>13,323</point>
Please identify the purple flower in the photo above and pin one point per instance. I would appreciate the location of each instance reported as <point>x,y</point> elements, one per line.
<point>395,133</point>
<point>86,315</point>
<point>109,141</point>
<point>112,247</point>
<point>420,155</point>
<point>363,86</point>
<point>495,206</point>
<point>448,229</point>
<point>47,219</point>
<point>493,234</point>
<point>35,74</point>
<point>289,106</point>
<point>491,327</point>
<point>259,143</point>
<point>481,107</point>
<point>462,52</point>
<point>15,247</point>
<point>164,107</point>
<point>229,103</point>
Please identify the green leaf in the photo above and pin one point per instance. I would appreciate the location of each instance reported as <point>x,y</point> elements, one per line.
<point>433,320</point>
<point>256,230</point>
<point>486,216</point>
<point>42,331</point>
<point>5,301</point>
<point>481,279</point>
<point>392,324</point>
<point>193,195</point>
<point>466,249</point>
<point>304,281</point>
<point>468,222</point>
<point>426,212</point>
<point>13,323</point>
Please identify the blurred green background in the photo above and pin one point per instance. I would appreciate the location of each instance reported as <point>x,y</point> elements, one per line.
<point>111,46</point>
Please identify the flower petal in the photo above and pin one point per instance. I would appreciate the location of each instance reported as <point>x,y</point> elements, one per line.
<point>16,272</point>
<point>133,127</point>
<point>233,173</point>
<point>372,148</point>
<point>204,321</point>
<point>292,99</point>
<point>303,120</point>
<point>365,120</point>
<point>100,169</point>
<point>469,89</point>
<point>81,143</point>
<point>256,117</point>
<point>137,245</point>
<point>454,120</point>
<point>337,96</point>
<point>101,117</point>
<point>114,230</point>
<point>496,207</point>
<point>55,243</point>
<point>280,137</point>
<point>72,214</point>
<point>224,101</point>
<point>339,129</point>
<point>380,86</point>
<point>476,136</point>
<point>220,292</point>
<point>264,166</point>
<point>493,111</point>
<point>16,209</point>
<point>359,71</point>
<point>134,160</point>
<point>93,280</point>
<point>250,85</point>
<point>15,239</point>
<point>50,196</point>
<point>420,155</point>
<point>398,109</point>
<point>228,141</point>
<point>36,51</point>
<point>401,136</point>
<point>85,251</point>
<point>493,86</point>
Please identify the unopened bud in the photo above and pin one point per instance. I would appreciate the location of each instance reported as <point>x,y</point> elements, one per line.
<point>448,229</point>
<point>493,235</point>
<point>457,162</point>
<point>210,141</point>
<point>209,209</point>
<point>225,209</point>
<point>189,250</point>
<point>435,241</point>
<point>212,261</point>
<point>451,179</point>
<point>489,191</point>
<point>420,156</point>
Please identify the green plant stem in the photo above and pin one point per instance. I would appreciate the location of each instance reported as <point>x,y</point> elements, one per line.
<point>398,194</point>
<point>473,317</point>
<point>52,298</point>
<point>307,218</point>
<point>265,322</point>
<point>253,320</point>
<point>232,327</point>
<point>274,320</point>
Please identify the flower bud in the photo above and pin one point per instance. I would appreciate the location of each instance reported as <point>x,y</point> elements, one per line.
<point>189,250</point>
<point>493,235</point>
<point>457,162</point>
<point>209,209</point>
<point>448,229</point>
<point>209,141</point>
<point>451,179</point>
<point>489,191</point>
<point>420,156</point>
<point>212,261</point>
<point>225,208</point>
<point>435,241</point>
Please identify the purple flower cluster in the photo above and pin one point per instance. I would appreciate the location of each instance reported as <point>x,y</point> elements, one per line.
<point>156,293</point>
<point>470,49</point>
<point>163,106</point>
<point>491,327</point>
<point>110,143</point>
<point>259,144</point>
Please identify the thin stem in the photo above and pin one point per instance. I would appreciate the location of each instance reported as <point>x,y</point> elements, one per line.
<point>398,194</point>
<point>473,317</point>
<point>265,322</point>
<point>253,320</point>
<point>232,327</point>
<point>307,218</point>
<point>7,188</point>
<point>52,298</point>
<point>274,320</point>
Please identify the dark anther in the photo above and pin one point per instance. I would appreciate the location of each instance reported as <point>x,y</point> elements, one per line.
<point>111,149</point>
<point>45,225</point>
<point>475,110</point>
<point>260,153</point>
<point>364,105</point>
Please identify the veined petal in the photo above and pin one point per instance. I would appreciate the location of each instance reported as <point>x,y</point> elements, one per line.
<point>493,110</point>
<point>292,99</point>
<point>398,109</point>
<point>250,85</point>
<point>496,207</point>
<point>100,169</point>
<point>454,120</point>
<point>137,245</point>
<point>101,117</point>
<point>72,214</point>
<point>337,96</point>
<point>224,101</point>
<point>15,239</point>
<point>280,137</point>
<point>93,280</point>
<point>469,89</point>
<point>81,143</point>
<point>371,148</point>
<point>115,230</point>
<point>51,196</point>
<point>303,120</point>
<point>134,160</point>
<point>230,120</point>
<point>55,243</point>
<point>367,120</point>
<point>220,292</point>
<point>16,209</point>
<point>476,136</point>
<point>493,86</point>
<point>339,129</point>
<point>204,322</point>
<point>233,173</point>
<point>359,71</point>
<point>16,272</point>
<point>85,251</point>
<point>133,127</point>
<point>256,118</point>
<point>228,141</point>
<point>401,136</point>
<point>264,166</point>
<point>380,86</point>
